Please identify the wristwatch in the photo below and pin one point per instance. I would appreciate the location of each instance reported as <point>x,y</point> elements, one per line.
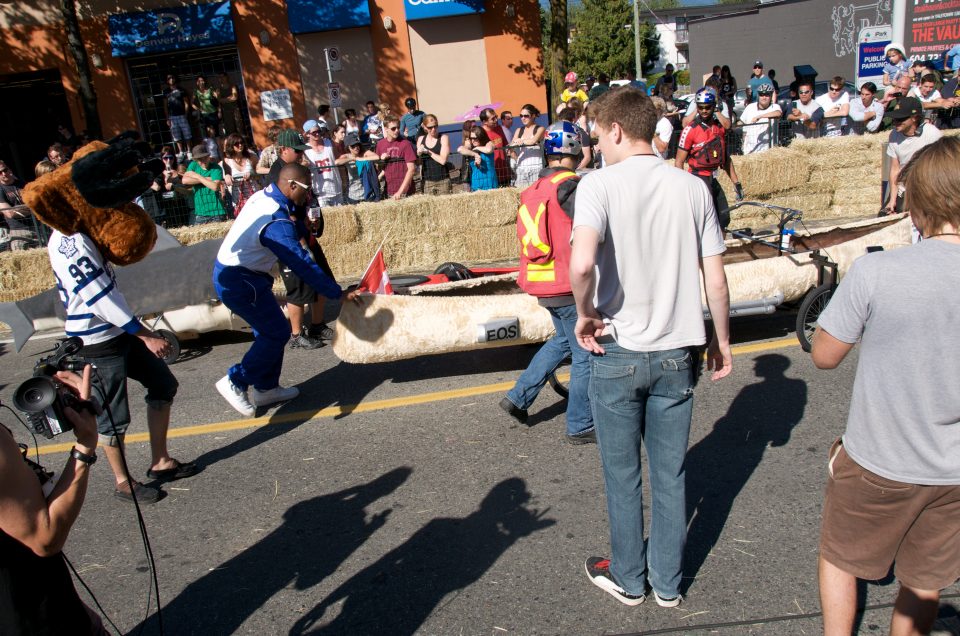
<point>80,457</point>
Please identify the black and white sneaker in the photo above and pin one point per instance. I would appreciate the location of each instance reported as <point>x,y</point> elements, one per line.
<point>300,341</point>
<point>320,332</point>
<point>673,601</point>
<point>598,569</point>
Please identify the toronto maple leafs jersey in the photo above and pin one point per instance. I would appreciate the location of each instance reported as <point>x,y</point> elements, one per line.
<point>96,310</point>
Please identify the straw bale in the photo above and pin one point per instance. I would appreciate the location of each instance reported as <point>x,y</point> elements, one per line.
<point>412,217</point>
<point>340,225</point>
<point>24,274</point>
<point>858,193</point>
<point>191,234</point>
<point>846,177</point>
<point>805,201</point>
<point>764,173</point>
<point>856,208</point>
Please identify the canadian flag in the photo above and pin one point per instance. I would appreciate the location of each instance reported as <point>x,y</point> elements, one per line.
<point>375,279</point>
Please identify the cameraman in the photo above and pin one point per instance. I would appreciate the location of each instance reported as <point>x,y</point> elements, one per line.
<point>36,592</point>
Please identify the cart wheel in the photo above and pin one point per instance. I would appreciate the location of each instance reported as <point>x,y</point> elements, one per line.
<point>561,386</point>
<point>171,339</point>
<point>810,309</point>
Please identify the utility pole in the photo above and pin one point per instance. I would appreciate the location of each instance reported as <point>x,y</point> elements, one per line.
<point>638,55</point>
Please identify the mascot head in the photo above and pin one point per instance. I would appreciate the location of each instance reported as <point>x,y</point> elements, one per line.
<point>93,193</point>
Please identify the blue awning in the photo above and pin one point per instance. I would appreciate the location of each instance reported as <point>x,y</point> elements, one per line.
<point>310,16</point>
<point>423,9</point>
<point>171,29</point>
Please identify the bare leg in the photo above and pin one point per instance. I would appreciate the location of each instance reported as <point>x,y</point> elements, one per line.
<point>158,421</point>
<point>914,611</point>
<point>838,599</point>
<point>295,312</point>
<point>116,461</point>
<point>316,310</point>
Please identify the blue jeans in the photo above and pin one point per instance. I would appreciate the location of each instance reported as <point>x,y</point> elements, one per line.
<point>551,354</point>
<point>644,397</point>
<point>250,296</point>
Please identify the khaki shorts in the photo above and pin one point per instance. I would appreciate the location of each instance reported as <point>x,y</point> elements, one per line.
<point>870,522</point>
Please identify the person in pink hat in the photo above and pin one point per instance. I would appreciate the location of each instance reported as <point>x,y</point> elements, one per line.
<point>570,89</point>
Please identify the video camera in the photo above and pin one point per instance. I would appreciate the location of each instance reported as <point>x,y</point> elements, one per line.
<point>40,397</point>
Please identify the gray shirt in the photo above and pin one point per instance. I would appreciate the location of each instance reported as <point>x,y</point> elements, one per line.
<point>655,223</point>
<point>903,306</point>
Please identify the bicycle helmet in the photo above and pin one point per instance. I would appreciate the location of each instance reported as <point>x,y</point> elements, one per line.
<point>571,78</point>
<point>562,139</point>
<point>706,96</point>
<point>765,89</point>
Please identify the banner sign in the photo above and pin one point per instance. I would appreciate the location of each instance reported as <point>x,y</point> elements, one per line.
<point>870,58</point>
<point>422,9</point>
<point>171,29</point>
<point>933,27</point>
<point>310,16</point>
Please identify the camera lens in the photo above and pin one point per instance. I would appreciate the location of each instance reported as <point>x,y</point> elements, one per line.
<point>33,396</point>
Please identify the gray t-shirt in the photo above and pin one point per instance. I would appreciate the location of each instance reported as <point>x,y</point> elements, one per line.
<point>903,306</point>
<point>655,223</point>
<point>903,147</point>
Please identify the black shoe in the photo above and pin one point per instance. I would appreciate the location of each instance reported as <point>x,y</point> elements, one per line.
<point>145,494</point>
<point>513,410</point>
<point>304,342</point>
<point>320,332</point>
<point>590,437</point>
<point>598,569</point>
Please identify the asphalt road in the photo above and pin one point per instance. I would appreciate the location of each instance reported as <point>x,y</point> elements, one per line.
<point>398,499</point>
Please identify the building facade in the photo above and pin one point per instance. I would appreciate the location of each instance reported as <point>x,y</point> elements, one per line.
<point>449,55</point>
<point>824,34</point>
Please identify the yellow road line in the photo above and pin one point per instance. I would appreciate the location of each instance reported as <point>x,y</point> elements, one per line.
<point>375,405</point>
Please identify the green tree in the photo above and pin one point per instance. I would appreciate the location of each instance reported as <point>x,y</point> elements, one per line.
<point>555,32</point>
<point>603,39</point>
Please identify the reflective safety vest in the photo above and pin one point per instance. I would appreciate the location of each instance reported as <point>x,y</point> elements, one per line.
<point>544,232</point>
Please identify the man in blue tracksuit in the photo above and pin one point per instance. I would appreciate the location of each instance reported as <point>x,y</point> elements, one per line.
<point>262,234</point>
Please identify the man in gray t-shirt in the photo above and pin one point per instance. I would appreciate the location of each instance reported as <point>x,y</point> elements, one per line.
<point>893,493</point>
<point>642,234</point>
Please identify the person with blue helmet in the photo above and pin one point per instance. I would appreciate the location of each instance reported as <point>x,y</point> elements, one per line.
<point>544,222</point>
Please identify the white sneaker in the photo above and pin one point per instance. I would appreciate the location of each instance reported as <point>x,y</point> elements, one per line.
<point>235,396</point>
<point>667,602</point>
<point>274,395</point>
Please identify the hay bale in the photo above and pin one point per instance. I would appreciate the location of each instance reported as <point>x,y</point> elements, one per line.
<point>765,173</point>
<point>340,225</point>
<point>856,209</point>
<point>413,217</point>
<point>846,177</point>
<point>24,274</point>
<point>858,193</point>
<point>188,235</point>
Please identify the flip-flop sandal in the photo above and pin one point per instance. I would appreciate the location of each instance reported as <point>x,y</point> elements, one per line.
<point>182,470</point>
<point>145,494</point>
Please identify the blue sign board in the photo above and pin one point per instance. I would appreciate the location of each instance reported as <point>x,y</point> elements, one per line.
<point>171,29</point>
<point>310,16</point>
<point>870,59</point>
<point>422,9</point>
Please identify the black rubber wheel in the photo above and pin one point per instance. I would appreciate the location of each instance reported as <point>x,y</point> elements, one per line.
<point>171,339</point>
<point>407,281</point>
<point>810,309</point>
<point>561,387</point>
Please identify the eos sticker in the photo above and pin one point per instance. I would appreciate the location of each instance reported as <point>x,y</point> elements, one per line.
<point>498,329</point>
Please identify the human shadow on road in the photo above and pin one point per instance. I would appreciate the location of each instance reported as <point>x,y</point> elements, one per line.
<point>347,385</point>
<point>317,537</point>
<point>721,464</point>
<point>397,594</point>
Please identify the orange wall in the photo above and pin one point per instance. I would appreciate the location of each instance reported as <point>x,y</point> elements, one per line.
<point>269,67</point>
<point>114,101</point>
<point>392,50</point>
<point>514,64</point>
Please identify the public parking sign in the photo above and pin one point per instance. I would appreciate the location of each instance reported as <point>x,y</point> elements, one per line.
<point>870,57</point>
<point>333,92</point>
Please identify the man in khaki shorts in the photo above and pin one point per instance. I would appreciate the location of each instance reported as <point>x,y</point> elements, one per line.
<point>893,492</point>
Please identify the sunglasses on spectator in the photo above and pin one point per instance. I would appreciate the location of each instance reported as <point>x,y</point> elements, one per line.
<point>8,170</point>
<point>431,127</point>
<point>805,92</point>
<point>393,128</point>
<point>525,115</point>
<point>239,143</point>
<point>474,138</point>
<point>295,182</point>
<point>835,89</point>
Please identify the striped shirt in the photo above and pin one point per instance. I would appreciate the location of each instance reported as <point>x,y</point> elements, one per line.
<point>96,310</point>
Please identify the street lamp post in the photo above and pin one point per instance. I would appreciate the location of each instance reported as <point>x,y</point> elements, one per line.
<point>638,56</point>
